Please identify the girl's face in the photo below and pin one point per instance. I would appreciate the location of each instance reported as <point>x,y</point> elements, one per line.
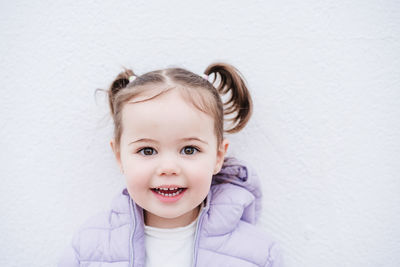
<point>168,154</point>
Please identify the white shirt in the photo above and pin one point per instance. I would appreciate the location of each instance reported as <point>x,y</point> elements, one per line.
<point>170,247</point>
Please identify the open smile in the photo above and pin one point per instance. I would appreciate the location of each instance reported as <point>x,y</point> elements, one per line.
<point>169,194</point>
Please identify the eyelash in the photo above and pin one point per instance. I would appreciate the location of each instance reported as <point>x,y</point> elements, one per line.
<point>141,150</point>
<point>196,149</point>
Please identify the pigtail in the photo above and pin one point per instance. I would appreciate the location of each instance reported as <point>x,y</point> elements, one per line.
<point>238,107</point>
<point>120,82</point>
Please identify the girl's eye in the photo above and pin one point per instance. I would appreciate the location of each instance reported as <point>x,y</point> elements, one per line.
<point>189,150</point>
<point>147,151</point>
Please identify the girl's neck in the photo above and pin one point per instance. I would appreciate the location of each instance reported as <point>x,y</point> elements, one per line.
<point>160,222</point>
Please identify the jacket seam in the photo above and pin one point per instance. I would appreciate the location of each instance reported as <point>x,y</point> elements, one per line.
<point>76,251</point>
<point>108,229</point>
<point>269,259</point>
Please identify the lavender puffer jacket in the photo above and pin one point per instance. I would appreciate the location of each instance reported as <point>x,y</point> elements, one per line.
<point>225,234</point>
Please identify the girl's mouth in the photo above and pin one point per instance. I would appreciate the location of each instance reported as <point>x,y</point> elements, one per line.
<point>170,194</point>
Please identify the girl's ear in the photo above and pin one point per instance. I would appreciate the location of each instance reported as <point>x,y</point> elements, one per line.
<point>117,154</point>
<point>223,148</point>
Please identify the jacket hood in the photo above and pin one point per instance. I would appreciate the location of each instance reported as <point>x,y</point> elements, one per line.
<point>235,195</point>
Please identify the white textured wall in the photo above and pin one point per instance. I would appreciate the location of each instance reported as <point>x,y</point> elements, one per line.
<point>325,136</point>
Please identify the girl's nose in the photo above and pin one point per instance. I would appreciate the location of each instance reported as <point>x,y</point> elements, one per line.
<point>168,166</point>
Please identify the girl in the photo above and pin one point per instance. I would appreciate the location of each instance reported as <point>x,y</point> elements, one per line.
<point>185,204</point>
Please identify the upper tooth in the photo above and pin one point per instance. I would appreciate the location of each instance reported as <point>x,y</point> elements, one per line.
<point>166,189</point>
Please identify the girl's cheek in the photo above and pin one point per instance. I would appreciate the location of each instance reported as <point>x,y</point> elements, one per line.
<point>141,168</point>
<point>204,164</point>
<point>137,180</point>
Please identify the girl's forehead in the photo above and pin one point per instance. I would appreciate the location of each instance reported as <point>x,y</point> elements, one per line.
<point>168,107</point>
<point>167,117</point>
<point>169,97</point>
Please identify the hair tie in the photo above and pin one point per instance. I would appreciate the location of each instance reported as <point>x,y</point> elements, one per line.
<point>132,78</point>
<point>205,76</point>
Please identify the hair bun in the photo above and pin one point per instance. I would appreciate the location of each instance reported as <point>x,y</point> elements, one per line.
<point>119,83</point>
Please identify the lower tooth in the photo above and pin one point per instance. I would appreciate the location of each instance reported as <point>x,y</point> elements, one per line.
<point>172,194</point>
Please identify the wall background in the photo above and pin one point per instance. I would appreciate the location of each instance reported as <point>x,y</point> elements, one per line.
<point>325,135</point>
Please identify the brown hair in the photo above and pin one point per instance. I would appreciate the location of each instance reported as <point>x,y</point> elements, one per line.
<point>202,93</point>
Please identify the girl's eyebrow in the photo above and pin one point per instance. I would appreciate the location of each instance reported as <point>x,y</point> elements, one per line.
<point>183,139</point>
<point>143,140</point>
<point>194,139</point>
